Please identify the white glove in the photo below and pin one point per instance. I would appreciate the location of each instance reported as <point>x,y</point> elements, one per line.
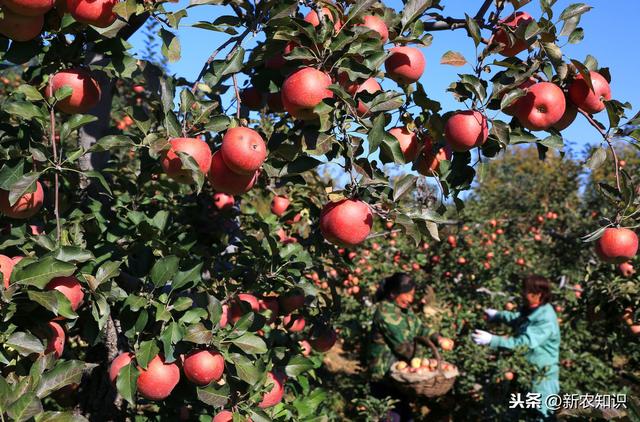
<point>481,337</point>
<point>490,313</point>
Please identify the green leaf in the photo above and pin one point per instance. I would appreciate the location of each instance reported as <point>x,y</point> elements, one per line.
<point>30,92</point>
<point>576,36</point>
<point>110,142</point>
<point>214,395</point>
<point>553,141</point>
<point>26,407</point>
<point>97,175</point>
<point>170,45</point>
<point>403,185</point>
<point>359,8</point>
<point>126,382</point>
<point>76,121</point>
<point>576,9</point>
<point>146,352</point>
<point>473,29</point>
<point>412,10</point>
<point>54,301</point>
<point>302,164</point>
<point>24,109</point>
<point>64,373</point>
<point>377,133</point>
<point>25,184</point>
<point>163,270</point>
<point>39,273</point>
<point>250,343</point>
<point>182,278</point>
<point>597,159</point>
<point>51,416</point>
<point>108,270</point>
<point>25,343</point>
<point>198,334</point>
<point>72,254</point>
<point>390,151</point>
<point>298,365</point>
<point>511,97</point>
<point>9,175</point>
<point>246,370</point>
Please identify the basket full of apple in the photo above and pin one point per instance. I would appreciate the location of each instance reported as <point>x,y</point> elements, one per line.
<point>427,377</point>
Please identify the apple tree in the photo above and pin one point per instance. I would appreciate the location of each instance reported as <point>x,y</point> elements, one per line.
<point>157,231</point>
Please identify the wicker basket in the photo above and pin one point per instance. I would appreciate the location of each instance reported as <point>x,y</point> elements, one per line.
<point>432,384</point>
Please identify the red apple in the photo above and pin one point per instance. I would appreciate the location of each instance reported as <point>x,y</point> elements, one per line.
<point>466,130</point>
<point>513,107</point>
<point>291,301</point>
<point>70,287</point>
<point>158,380</point>
<point>405,65</point>
<point>347,222</point>
<point>274,102</point>
<point>6,268</point>
<point>542,107</point>
<point>85,91</point>
<point>25,207</point>
<point>223,179</point>
<point>201,367</point>
<point>251,98</point>
<point>617,245</point>
<point>371,86</point>
<point>93,12</point>
<point>378,25</point>
<point>591,101</point>
<point>56,339</point>
<point>570,113</point>
<point>274,395</point>
<point>222,201</point>
<point>323,338</point>
<point>313,19</point>
<point>408,142</point>
<point>20,28</point>
<point>122,360</point>
<point>224,317</point>
<point>279,205</point>
<point>303,90</point>
<point>237,309</point>
<point>269,307</point>
<point>28,7</point>
<point>428,163</point>
<point>514,23</point>
<point>626,269</point>
<point>172,164</point>
<point>294,323</point>
<point>225,416</point>
<point>243,150</point>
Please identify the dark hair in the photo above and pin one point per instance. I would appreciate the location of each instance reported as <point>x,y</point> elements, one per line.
<point>538,284</point>
<point>394,285</point>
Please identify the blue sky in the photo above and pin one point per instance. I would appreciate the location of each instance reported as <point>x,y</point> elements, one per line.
<point>610,34</point>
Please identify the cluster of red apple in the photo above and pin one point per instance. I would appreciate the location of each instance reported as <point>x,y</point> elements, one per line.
<point>271,307</point>
<point>201,367</point>
<point>70,287</point>
<point>424,366</point>
<point>23,20</point>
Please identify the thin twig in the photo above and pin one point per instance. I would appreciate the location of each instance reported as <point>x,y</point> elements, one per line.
<point>600,128</point>
<point>52,134</point>
<point>238,101</point>
<point>213,55</point>
<point>483,9</point>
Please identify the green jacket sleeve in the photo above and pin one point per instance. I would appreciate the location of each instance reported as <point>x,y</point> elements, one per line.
<point>395,337</point>
<point>506,317</point>
<point>534,335</point>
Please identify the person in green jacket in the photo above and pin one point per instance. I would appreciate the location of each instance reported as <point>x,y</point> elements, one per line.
<point>394,330</point>
<point>536,326</point>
